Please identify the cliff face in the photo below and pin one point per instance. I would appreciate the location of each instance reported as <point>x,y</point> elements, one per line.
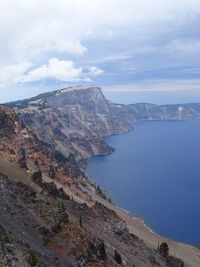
<point>19,146</point>
<point>141,112</point>
<point>54,215</point>
<point>75,119</point>
<point>41,225</point>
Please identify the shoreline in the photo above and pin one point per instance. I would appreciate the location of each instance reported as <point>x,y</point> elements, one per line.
<point>188,253</point>
<point>127,212</point>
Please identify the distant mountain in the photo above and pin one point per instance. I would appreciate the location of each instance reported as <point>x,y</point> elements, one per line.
<point>74,120</point>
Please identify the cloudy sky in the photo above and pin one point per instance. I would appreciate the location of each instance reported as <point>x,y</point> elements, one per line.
<point>120,45</point>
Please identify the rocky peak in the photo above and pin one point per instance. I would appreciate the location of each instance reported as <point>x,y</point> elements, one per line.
<point>88,97</point>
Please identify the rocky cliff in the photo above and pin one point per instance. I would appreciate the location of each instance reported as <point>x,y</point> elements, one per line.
<point>74,120</point>
<point>20,146</point>
<point>46,219</point>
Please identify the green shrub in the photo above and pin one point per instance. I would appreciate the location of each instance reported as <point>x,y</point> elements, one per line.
<point>89,253</point>
<point>83,184</point>
<point>36,161</point>
<point>117,257</point>
<point>62,205</point>
<point>32,259</point>
<point>80,221</point>
<point>60,157</point>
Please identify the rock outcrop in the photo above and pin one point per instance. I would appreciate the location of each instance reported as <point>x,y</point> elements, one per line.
<point>39,221</point>
<point>75,119</point>
<point>20,146</point>
<point>164,250</point>
<point>171,261</point>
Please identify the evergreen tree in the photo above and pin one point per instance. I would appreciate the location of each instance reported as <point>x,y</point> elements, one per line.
<point>117,257</point>
<point>80,222</point>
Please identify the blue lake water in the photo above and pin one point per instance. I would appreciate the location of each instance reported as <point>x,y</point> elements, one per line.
<point>155,173</point>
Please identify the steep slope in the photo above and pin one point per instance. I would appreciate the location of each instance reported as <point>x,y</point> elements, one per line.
<point>75,119</point>
<point>47,230</point>
<point>72,122</point>
<point>40,225</point>
<point>19,146</point>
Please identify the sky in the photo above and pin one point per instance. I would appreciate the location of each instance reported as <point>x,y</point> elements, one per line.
<point>124,46</point>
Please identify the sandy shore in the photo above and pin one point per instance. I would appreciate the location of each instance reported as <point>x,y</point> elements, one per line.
<point>189,254</point>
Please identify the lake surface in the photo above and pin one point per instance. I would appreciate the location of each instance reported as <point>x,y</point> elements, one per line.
<point>155,173</point>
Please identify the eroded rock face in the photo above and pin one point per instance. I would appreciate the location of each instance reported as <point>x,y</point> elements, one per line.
<point>170,260</point>
<point>75,119</point>
<point>75,130</point>
<point>98,250</point>
<point>55,228</point>
<point>21,213</point>
<point>21,158</point>
<point>174,262</point>
<point>52,190</point>
<point>52,172</point>
<point>6,125</point>
<point>19,145</point>
<point>37,177</point>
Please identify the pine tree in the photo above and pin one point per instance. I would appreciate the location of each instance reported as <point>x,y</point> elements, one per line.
<point>36,161</point>
<point>80,222</point>
<point>117,257</point>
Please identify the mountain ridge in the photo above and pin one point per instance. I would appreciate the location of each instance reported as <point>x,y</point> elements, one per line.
<point>55,173</point>
<point>75,119</point>
<point>45,216</point>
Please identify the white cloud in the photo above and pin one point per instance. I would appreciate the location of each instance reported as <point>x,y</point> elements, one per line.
<point>69,46</point>
<point>34,31</point>
<point>41,43</point>
<point>13,73</point>
<point>61,70</point>
<point>95,71</point>
<point>35,27</point>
